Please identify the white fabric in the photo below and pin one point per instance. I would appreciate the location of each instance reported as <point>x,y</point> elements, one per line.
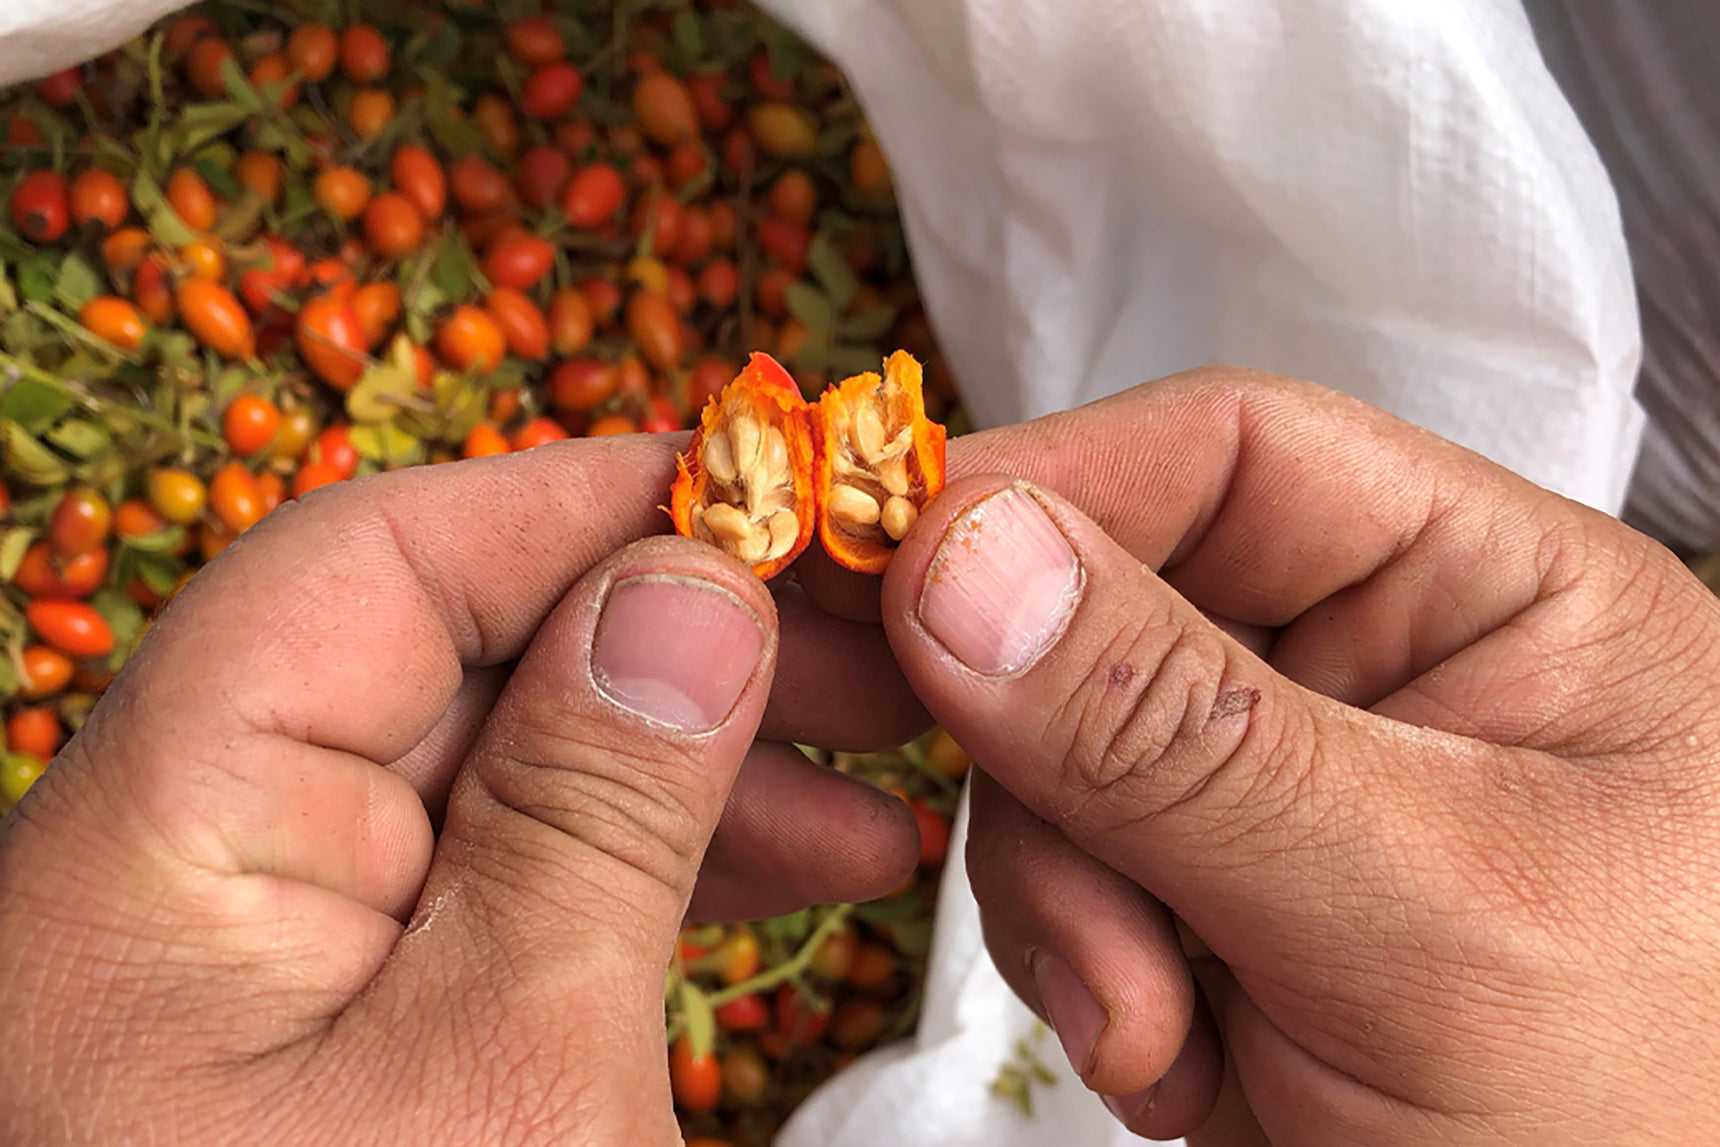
<point>1391,198</point>
<point>1386,196</point>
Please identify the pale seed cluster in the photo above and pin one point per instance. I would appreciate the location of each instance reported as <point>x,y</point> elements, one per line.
<point>749,507</point>
<point>870,487</point>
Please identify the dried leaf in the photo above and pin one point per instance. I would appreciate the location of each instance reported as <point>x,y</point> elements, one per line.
<point>13,546</point>
<point>80,439</point>
<point>162,541</point>
<point>386,443</point>
<point>700,1017</point>
<point>27,459</point>
<point>380,393</point>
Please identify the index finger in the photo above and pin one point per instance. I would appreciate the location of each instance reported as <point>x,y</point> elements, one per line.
<point>377,593</point>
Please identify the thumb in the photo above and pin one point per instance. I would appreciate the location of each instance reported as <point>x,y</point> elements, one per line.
<point>573,837</point>
<point>1111,707</point>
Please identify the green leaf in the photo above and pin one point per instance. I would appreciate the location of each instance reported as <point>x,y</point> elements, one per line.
<point>867,326</point>
<point>163,541</point>
<point>121,613</point>
<point>197,124</point>
<point>77,283</point>
<point>165,225</point>
<point>814,356</point>
<point>227,385</point>
<point>831,270</point>
<point>155,94</point>
<point>55,129</point>
<point>851,360</point>
<point>34,404</point>
<point>79,438</point>
<point>297,202</point>
<point>454,271</point>
<point>688,36</point>
<point>381,393</point>
<point>701,1019</point>
<point>789,929</point>
<point>12,548</point>
<point>158,571</point>
<point>239,88</point>
<point>36,283</point>
<point>27,459</point>
<point>808,304</point>
<point>8,296</point>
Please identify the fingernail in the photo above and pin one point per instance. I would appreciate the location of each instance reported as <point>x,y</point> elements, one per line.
<point>675,649</point>
<point>1128,1108</point>
<point>1075,1015</point>
<point>1002,585</point>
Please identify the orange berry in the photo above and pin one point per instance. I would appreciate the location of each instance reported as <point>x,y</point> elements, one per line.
<point>99,197</point>
<point>364,56</point>
<point>313,475</point>
<point>235,498</point>
<point>612,424</point>
<point>312,49</point>
<point>537,432</point>
<point>377,306</point>
<point>484,440</point>
<point>190,198</point>
<point>112,318</point>
<point>125,248</point>
<point>392,225</point>
<point>43,671</point>
<point>249,424</point>
<point>210,312</point>
<point>331,340</point>
<point>204,259</point>
<point>342,192</point>
<point>260,172</point>
<point>418,175</point>
<point>521,323</point>
<point>469,340</point>
<point>271,72</point>
<point>372,109</point>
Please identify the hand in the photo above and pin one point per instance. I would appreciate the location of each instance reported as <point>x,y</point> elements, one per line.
<point>1430,813</point>
<point>225,913</point>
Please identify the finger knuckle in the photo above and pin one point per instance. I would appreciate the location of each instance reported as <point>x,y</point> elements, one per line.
<point>1156,719</point>
<point>629,801</point>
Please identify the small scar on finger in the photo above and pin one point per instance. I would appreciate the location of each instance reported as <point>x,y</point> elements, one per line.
<point>1121,674</point>
<point>1233,701</point>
